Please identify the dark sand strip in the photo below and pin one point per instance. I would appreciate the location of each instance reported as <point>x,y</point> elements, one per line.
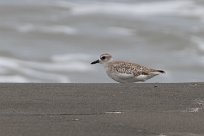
<point>102,109</point>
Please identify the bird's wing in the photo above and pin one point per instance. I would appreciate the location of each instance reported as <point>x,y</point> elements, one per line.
<point>129,69</point>
<point>134,69</point>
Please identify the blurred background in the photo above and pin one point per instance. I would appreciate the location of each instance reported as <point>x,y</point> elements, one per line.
<point>55,40</point>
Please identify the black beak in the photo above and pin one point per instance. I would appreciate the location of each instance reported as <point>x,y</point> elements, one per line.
<point>94,62</point>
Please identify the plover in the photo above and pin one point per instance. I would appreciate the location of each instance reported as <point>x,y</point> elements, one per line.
<point>126,72</point>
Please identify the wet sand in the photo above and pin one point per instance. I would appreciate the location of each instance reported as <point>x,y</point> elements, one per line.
<point>102,109</point>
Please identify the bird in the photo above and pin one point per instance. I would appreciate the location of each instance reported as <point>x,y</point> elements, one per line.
<point>126,72</point>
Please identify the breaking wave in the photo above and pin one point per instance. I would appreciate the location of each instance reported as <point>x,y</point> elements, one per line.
<point>55,70</point>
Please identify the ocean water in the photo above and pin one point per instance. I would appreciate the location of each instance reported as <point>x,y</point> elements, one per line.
<point>55,40</point>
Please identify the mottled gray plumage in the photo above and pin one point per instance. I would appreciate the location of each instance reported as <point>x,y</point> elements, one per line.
<point>130,68</point>
<point>126,72</point>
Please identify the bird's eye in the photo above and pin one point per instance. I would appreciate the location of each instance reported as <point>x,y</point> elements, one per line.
<point>102,58</point>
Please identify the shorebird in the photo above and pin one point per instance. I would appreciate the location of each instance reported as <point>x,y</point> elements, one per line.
<point>126,72</point>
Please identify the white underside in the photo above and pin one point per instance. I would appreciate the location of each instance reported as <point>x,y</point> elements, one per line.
<point>129,78</point>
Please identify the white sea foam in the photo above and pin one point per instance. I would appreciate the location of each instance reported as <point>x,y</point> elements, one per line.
<point>194,10</point>
<point>40,71</point>
<point>120,31</point>
<point>62,62</point>
<point>149,8</point>
<point>59,66</point>
<point>13,79</point>
<point>175,7</point>
<point>44,76</point>
<point>54,29</point>
<point>70,57</point>
<point>35,71</point>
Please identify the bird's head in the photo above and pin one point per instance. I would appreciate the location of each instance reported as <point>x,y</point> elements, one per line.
<point>104,58</point>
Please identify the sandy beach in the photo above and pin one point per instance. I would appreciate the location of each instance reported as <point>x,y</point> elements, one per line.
<point>102,109</point>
